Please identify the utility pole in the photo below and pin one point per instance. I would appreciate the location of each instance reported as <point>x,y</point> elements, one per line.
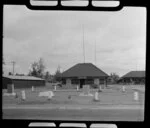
<point>13,66</point>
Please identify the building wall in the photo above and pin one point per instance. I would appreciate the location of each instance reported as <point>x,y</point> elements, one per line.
<point>96,81</point>
<point>102,81</point>
<point>22,83</point>
<point>133,80</point>
<point>63,81</point>
<point>89,81</point>
<point>75,81</point>
<point>5,82</point>
<point>68,82</point>
<point>28,83</point>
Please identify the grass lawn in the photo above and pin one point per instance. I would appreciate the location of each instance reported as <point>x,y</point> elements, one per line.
<point>110,96</point>
<point>114,105</point>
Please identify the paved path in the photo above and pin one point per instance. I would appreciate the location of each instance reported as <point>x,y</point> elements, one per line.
<point>74,114</point>
<point>101,112</point>
<point>76,107</point>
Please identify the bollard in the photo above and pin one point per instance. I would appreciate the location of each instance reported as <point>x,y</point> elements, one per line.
<point>23,95</point>
<point>55,88</point>
<point>32,88</point>
<point>123,88</point>
<point>13,90</point>
<point>96,98</point>
<point>136,96</point>
<point>100,88</point>
<point>50,95</point>
<point>77,88</point>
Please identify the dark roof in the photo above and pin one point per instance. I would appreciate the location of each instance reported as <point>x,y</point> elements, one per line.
<point>134,74</point>
<point>22,77</point>
<point>84,70</point>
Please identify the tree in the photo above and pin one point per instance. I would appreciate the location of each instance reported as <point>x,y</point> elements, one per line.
<point>114,78</point>
<point>57,74</point>
<point>37,69</point>
<point>41,67</point>
<point>47,76</point>
<point>34,70</point>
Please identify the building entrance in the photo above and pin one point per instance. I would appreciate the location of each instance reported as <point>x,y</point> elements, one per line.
<point>82,82</point>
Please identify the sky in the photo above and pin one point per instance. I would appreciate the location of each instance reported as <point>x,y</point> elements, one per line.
<point>119,39</point>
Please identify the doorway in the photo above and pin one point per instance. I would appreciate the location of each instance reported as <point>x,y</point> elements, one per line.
<point>82,82</point>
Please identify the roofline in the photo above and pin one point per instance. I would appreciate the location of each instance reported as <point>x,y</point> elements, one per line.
<point>100,69</point>
<point>132,71</point>
<point>38,79</point>
<point>85,76</point>
<point>70,68</point>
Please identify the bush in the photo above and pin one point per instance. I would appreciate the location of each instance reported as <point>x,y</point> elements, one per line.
<point>94,86</point>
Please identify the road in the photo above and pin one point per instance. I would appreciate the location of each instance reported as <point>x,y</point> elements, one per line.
<point>62,113</point>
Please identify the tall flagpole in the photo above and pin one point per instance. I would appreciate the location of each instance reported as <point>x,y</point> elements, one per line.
<point>13,64</point>
<point>83,44</point>
<point>95,52</point>
<point>136,66</point>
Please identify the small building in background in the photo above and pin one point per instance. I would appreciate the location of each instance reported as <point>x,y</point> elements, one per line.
<point>84,73</point>
<point>133,77</point>
<point>22,81</point>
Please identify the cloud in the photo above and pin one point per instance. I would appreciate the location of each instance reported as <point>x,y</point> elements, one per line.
<point>58,38</point>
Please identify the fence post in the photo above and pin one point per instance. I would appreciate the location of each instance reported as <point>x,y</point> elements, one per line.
<point>123,88</point>
<point>32,88</point>
<point>77,88</point>
<point>13,90</point>
<point>96,98</point>
<point>55,88</point>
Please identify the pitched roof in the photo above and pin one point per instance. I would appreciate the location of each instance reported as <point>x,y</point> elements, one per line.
<point>84,70</point>
<point>22,77</point>
<point>134,74</point>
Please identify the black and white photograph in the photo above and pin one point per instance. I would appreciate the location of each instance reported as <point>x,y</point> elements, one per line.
<point>73,65</point>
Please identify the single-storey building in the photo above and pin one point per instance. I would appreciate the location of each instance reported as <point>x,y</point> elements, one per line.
<point>84,73</point>
<point>22,81</point>
<point>134,77</point>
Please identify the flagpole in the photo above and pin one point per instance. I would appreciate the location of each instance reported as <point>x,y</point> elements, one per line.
<point>83,44</point>
<point>95,52</point>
